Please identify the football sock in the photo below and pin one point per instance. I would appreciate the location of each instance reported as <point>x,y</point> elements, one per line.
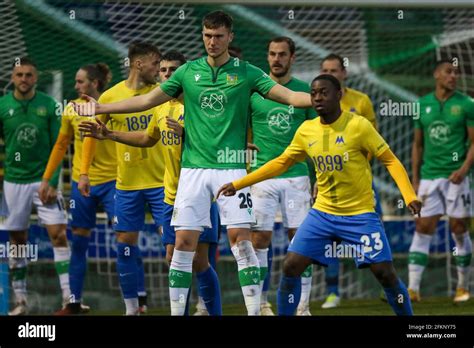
<point>399,299</point>
<point>180,278</point>
<point>332,277</point>
<point>418,259</point>
<point>78,266</point>
<point>128,274</point>
<point>462,258</point>
<point>306,279</point>
<point>62,256</point>
<point>17,267</point>
<point>268,277</point>
<point>140,276</point>
<point>288,295</point>
<point>263,263</point>
<point>209,291</point>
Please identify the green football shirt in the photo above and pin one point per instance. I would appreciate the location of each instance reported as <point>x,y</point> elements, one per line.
<point>29,129</point>
<point>445,137</point>
<point>216,101</point>
<point>275,124</point>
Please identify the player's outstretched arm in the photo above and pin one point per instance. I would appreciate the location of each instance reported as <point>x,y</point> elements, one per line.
<point>135,104</point>
<point>286,96</point>
<point>271,169</point>
<point>399,174</point>
<point>99,130</point>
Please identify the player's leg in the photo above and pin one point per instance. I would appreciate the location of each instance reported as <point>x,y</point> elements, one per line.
<point>18,200</point>
<point>425,227</point>
<point>83,210</point>
<point>266,200</point>
<point>208,283</point>
<point>190,217</point>
<point>237,214</point>
<point>209,294</point>
<point>395,290</point>
<point>54,218</point>
<point>296,202</point>
<point>128,220</point>
<point>459,212</point>
<point>331,276</point>
<point>18,269</point>
<point>306,247</point>
<point>365,235</point>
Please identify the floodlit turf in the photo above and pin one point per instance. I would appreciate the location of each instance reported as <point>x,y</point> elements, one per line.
<point>428,306</point>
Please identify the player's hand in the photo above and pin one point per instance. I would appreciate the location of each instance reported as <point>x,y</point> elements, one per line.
<point>84,185</point>
<point>97,130</point>
<point>415,208</point>
<point>457,176</point>
<point>47,194</point>
<point>90,108</point>
<point>227,190</point>
<point>175,126</point>
<point>43,191</point>
<point>253,147</point>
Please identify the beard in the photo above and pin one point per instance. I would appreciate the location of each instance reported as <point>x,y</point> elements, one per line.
<point>282,73</point>
<point>25,91</point>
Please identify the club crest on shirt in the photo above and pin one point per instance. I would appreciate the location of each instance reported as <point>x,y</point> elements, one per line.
<point>340,140</point>
<point>439,132</point>
<point>27,135</point>
<point>41,111</point>
<point>232,79</point>
<point>456,110</point>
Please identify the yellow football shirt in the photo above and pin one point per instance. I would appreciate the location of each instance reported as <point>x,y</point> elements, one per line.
<point>137,168</point>
<point>358,103</point>
<point>339,152</point>
<point>104,166</point>
<point>170,143</point>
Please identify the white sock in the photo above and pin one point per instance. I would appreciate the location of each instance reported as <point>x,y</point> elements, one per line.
<point>264,297</point>
<point>62,255</point>
<point>18,269</point>
<point>463,258</point>
<point>417,259</point>
<point>249,275</point>
<point>131,306</point>
<point>180,278</point>
<point>262,256</point>
<point>306,280</point>
<point>201,306</point>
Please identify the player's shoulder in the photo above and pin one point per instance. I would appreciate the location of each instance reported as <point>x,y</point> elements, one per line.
<point>464,98</point>
<point>298,85</point>
<point>112,91</point>
<point>6,98</point>
<point>354,93</point>
<point>427,98</point>
<point>356,120</point>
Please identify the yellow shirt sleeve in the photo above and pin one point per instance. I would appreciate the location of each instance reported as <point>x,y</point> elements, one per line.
<point>371,140</point>
<point>296,149</point>
<point>399,174</point>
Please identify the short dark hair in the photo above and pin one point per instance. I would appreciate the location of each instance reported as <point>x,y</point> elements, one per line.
<point>334,56</point>
<point>443,61</point>
<point>235,51</point>
<point>24,61</point>
<point>100,72</point>
<point>141,48</point>
<point>288,40</point>
<point>174,55</point>
<point>218,19</point>
<point>329,78</point>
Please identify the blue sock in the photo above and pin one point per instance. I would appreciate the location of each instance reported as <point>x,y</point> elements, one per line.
<point>127,269</point>
<point>399,299</point>
<point>266,282</point>
<point>209,290</point>
<point>140,275</point>
<point>332,278</point>
<point>78,266</point>
<point>288,295</point>
<point>212,255</point>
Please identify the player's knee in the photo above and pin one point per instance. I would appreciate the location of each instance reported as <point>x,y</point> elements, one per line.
<point>260,240</point>
<point>291,267</point>
<point>59,239</point>
<point>386,275</point>
<point>183,244</point>
<point>457,226</point>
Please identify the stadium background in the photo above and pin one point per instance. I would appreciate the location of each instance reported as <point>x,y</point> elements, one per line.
<point>390,51</point>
